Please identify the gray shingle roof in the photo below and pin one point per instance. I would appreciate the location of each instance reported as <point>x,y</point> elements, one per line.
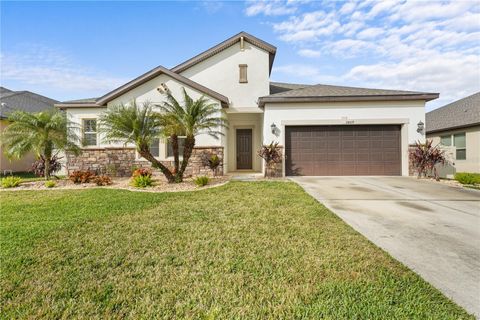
<point>323,93</point>
<point>335,91</point>
<point>87,100</point>
<point>22,100</point>
<point>461,113</point>
<point>277,87</point>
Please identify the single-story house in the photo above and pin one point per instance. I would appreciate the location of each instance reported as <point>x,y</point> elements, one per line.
<point>456,128</point>
<point>324,129</point>
<point>19,100</point>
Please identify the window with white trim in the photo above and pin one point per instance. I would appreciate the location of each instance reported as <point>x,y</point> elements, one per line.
<point>181,145</point>
<point>89,127</point>
<point>460,144</point>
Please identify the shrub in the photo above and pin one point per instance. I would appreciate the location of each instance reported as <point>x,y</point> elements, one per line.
<point>213,162</point>
<point>272,154</point>
<point>102,180</point>
<point>142,181</point>
<point>424,158</point>
<point>50,183</point>
<point>38,167</point>
<point>144,172</point>
<point>467,178</point>
<point>11,182</point>
<point>80,176</point>
<point>201,181</point>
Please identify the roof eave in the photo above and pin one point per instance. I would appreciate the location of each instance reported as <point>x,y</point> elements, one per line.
<point>425,97</point>
<point>78,105</point>
<point>453,127</point>
<point>154,73</point>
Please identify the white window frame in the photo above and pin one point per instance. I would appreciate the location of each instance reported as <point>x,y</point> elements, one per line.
<point>89,132</point>
<point>463,148</point>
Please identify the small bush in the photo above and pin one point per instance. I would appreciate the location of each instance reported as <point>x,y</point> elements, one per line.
<point>11,182</point>
<point>467,178</point>
<point>102,180</point>
<point>144,172</point>
<point>213,162</point>
<point>50,184</point>
<point>142,181</point>
<point>81,176</point>
<point>424,158</point>
<point>38,167</point>
<point>201,181</point>
<point>272,154</point>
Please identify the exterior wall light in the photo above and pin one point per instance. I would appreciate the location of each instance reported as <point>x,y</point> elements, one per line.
<point>420,127</point>
<point>274,128</point>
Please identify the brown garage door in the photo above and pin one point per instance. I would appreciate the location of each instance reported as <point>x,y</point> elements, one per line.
<point>342,150</point>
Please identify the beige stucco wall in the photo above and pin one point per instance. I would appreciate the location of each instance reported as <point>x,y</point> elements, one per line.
<point>243,121</point>
<point>15,165</point>
<point>405,113</point>
<point>472,162</point>
<point>146,92</point>
<point>221,74</point>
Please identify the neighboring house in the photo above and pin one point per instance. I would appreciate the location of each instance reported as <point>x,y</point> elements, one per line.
<point>325,130</point>
<point>456,128</point>
<point>19,100</point>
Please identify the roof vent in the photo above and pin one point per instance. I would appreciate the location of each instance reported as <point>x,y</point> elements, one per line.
<point>242,44</point>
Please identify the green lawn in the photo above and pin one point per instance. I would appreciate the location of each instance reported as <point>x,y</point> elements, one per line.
<point>258,250</point>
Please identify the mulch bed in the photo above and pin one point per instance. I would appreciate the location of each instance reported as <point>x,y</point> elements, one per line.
<point>160,185</point>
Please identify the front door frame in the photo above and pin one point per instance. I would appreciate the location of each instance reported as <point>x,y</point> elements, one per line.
<point>252,129</point>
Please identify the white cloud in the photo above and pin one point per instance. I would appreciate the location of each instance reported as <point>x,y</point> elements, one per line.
<point>347,8</point>
<point>38,66</point>
<point>270,8</point>
<point>417,45</point>
<point>370,33</point>
<point>309,26</point>
<point>309,53</point>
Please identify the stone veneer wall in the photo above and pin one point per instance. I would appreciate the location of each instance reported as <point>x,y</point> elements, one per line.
<point>120,162</point>
<point>411,169</point>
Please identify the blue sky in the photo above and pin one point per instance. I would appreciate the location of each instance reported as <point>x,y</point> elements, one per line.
<point>72,50</point>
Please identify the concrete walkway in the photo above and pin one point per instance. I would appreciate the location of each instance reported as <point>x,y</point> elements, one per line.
<point>431,227</point>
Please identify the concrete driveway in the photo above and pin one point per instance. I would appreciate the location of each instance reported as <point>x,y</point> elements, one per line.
<point>431,227</point>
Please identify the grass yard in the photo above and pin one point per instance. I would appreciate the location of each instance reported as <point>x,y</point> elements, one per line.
<point>252,250</point>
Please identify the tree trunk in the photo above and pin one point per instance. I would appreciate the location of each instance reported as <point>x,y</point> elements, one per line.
<point>176,157</point>
<point>46,171</point>
<point>47,158</point>
<point>145,153</point>
<point>187,153</point>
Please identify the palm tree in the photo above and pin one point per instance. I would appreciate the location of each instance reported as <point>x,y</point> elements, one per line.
<point>138,125</point>
<point>192,118</point>
<point>44,133</point>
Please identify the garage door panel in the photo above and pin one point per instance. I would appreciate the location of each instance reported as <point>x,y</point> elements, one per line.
<point>343,150</point>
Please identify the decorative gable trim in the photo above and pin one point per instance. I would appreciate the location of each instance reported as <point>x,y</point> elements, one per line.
<point>224,45</point>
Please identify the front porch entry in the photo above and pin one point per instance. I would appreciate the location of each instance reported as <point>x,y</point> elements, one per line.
<point>243,140</point>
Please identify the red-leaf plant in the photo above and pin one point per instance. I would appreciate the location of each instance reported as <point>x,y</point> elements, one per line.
<point>425,157</point>
<point>272,154</point>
